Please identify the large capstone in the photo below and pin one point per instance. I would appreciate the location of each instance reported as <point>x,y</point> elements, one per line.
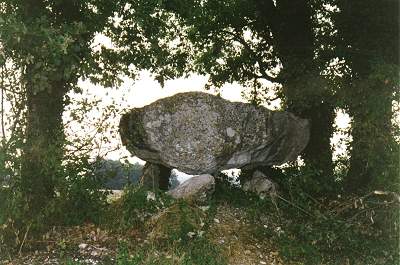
<point>200,133</point>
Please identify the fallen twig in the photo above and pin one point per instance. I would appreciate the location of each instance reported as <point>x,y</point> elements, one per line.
<point>23,240</point>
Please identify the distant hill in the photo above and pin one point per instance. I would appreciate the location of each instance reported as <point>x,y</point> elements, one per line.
<point>115,175</point>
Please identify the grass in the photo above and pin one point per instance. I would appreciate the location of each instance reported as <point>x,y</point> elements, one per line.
<point>153,229</point>
<point>307,230</point>
<point>176,232</point>
<point>194,252</point>
<point>164,231</point>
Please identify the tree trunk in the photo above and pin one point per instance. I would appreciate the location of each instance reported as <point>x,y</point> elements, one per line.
<point>372,33</point>
<point>318,152</point>
<point>303,86</point>
<point>43,150</point>
<point>373,151</point>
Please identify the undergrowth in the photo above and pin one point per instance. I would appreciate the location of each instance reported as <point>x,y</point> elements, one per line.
<point>135,207</point>
<point>197,251</point>
<point>175,231</point>
<point>307,230</point>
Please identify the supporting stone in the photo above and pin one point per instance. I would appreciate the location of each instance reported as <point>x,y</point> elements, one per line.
<point>197,188</point>
<point>261,184</point>
<point>155,176</point>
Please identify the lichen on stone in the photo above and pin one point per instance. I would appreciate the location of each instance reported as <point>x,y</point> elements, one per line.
<point>200,133</point>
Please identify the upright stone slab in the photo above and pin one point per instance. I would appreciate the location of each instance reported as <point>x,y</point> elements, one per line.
<point>155,176</point>
<point>200,133</point>
<point>261,185</point>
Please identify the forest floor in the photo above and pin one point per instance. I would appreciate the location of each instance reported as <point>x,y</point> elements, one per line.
<point>89,244</point>
<point>229,230</point>
<point>232,228</point>
<point>237,236</point>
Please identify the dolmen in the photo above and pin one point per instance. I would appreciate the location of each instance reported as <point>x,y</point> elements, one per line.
<point>199,133</point>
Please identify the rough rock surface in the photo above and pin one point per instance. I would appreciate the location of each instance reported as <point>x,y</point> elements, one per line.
<point>155,176</point>
<point>196,188</point>
<point>199,133</point>
<point>261,185</point>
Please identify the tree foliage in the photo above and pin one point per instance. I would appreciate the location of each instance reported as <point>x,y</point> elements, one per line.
<point>302,52</point>
<point>315,56</point>
<point>49,42</point>
<point>369,43</point>
<point>272,49</point>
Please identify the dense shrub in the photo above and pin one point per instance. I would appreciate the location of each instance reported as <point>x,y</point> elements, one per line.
<point>336,229</point>
<point>80,197</point>
<point>340,232</point>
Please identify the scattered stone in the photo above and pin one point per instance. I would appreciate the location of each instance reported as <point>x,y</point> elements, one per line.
<point>279,230</point>
<point>151,196</point>
<point>200,133</point>
<point>261,185</point>
<point>191,234</point>
<point>82,246</point>
<point>94,253</point>
<point>204,208</point>
<point>196,189</point>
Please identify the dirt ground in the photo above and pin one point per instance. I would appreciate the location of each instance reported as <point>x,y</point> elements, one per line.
<point>235,234</point>
<point>88,244</point>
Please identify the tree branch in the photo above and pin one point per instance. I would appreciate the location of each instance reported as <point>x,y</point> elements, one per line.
<point>269,13</point>
<point>3,132</point>
<point>263,68</point>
